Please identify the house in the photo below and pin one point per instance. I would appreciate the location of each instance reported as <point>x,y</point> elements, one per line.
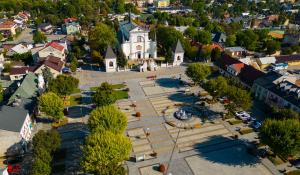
<point>178,54</point>
<point>135,42</point>
<point>277,89</point>
<point>46,28</point>
<point>54,49</point>
<point>291,60</point>
<point>71,26</point>
<point>8,28</point>
<point>229,66</point>
<point>236,51</point>
<point>278,66</point>
<point>54,64</point>
<point>18,73</point>
<point>162,3</point>
<point>19,49</point>
<point>264,62</point>
<point>219,37</point>
<point>110,60</point>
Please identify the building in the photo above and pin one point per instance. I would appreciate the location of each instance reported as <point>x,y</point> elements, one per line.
<point>278,66</point>
<point>162,3</point>
<point>291,60</point>
<point>178,54</point>
<point>291,37</point>
<point>135,42</point>
<point>52,49</point>
<point>219,37</point>
<point>235,69</point>
<point>8,28</point>
<point>110,60</point>
<point>236,51</point>
<point>278,89</point>
<point>19,49</point>
<point>71,26</point>
<point>264,62</point>
<point>46,28</point>
<point>54,64</point>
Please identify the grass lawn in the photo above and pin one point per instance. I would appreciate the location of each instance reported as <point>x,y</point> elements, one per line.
<point>295,172</point>
<point>121,94</point>
<point>77,90</point>
<point>72,100</point>
<point>275,160</point>
<point>114,86</point>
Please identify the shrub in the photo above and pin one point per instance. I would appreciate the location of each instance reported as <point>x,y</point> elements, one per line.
<point>138,114</point>
<point>235,122</point>
<point>162,168</point>
<point>246,131</point>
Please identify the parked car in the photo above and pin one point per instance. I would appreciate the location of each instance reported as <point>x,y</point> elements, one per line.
<point>66,70</point>
<point>243,115</point>
<point>256,125</point>
<point>296,163</point>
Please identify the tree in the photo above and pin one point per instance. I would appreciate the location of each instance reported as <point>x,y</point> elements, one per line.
<point>272,46</point>
<point>204,37</point>
<point>47,75</point>
<point>120,6</point>
<point>247,39</point>
<point>104,95</point>
<point>191,32</point>
<point>39,37</point>
<point>230,40</point>
<point>74,64</point>
<point>1,93</point>
<point>215,54</point>
<point>52,105</point>
<point>104,149</point>
<point>63,85</point>
<point>205,53</point>
<point>40,167</point>
<point>101,36</point>
<point>218,86</point>
<point>121,59</point>
<point>107,118</point>
<point>49,140</point>
<point>96,57</point>
<point>197,72</point>
<point>282,136</point>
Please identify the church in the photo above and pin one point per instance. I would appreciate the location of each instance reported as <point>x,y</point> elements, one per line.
<point>135,42</point>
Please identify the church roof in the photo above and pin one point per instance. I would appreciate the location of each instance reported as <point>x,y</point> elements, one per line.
<point>178,48</point>
<point>110,53</point>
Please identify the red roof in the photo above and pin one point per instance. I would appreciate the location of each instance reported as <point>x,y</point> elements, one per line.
<point>54,63</point>
<point>238,66</point>
<point>56,46</point>
<point>67,20</point>
<point>7,24</point>
<point>21,70</point>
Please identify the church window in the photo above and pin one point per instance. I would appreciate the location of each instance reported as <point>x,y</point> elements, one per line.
<point>138,47</point>
<point>139,39</point>
<point>178,58</point>
<point>111,64</point>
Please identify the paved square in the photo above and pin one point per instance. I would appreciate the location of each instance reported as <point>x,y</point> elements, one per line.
<point>229,161</point>
<point>150,170</point>
<point>125,107</point>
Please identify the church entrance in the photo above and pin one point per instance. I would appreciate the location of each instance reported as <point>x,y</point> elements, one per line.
<point>139,55</point>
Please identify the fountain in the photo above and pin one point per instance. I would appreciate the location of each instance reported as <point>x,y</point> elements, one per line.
<point>182,115</point>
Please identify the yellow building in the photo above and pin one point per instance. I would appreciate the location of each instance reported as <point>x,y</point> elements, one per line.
<point>162,3</point>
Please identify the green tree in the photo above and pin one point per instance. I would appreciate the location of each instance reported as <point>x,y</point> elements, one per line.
<point>39,37</point>
<point>121,58</point>
<point>197,71</point>
<point>272,46</point>
<point>247,39</point>
<point>120,6</point>
<point>52,105</point>
<point>230,40</point>
<point>215,54</point>
<point>101,36</point>
<point>74,64</point>
<point>191,32</point>
<point>63,85</point>
<point>204,37</point>
<point>104,149</point>
<point>96,57</point>
<point>104,95</point>
<point>49,140</point>
<point>107,118</point>
<point>47,75</point>
<point>1,93</point>
<point>40,167</point>
<point>282,136</point>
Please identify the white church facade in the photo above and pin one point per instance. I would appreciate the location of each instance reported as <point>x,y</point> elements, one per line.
<point>135,42</point>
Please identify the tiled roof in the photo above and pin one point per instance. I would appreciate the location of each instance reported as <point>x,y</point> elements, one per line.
<point>178,48</point>
<point>55,45</point>
<point>68,20</point>
<point>54,63</point>
<point>110,53</point>
<point>238,66</point>
<point>287,58</point>
<point>7,24</point>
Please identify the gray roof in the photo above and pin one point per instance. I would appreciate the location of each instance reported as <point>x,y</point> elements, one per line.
<point>110,53</point>
<point>178,48</point>
<point>12,118</point>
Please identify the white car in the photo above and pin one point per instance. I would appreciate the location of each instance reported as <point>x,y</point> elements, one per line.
<point>243,115</point>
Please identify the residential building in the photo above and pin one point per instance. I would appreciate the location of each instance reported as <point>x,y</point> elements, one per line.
<point>18,73</point>
<point>162,3</point>
<point>46,28</point>
<point>52,49</point>
<point>8,28</point>
<point>71,26</point>
<point>135,42</point>
<point>110,60</point>
<point>54,64</point>
<point>235,69</point>
<point>279,66</point>
<point>19,49</point>
<point>278,89</point>
<point>291,37</point>
<point>264,62</point>
<point>219,37</point>
<point>236,51</point>
<point>291,60</point>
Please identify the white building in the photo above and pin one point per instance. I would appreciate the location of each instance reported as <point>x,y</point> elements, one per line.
<point>135,42</point>
<point>178,54</point>
<point>110,60</point>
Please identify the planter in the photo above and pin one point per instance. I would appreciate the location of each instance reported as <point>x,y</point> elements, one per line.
<point>162,168</point>
<point>138,114</point>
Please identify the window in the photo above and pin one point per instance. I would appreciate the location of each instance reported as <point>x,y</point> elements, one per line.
<point>178,58</point>
<point>111,64</point>
<point>139,39</point>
